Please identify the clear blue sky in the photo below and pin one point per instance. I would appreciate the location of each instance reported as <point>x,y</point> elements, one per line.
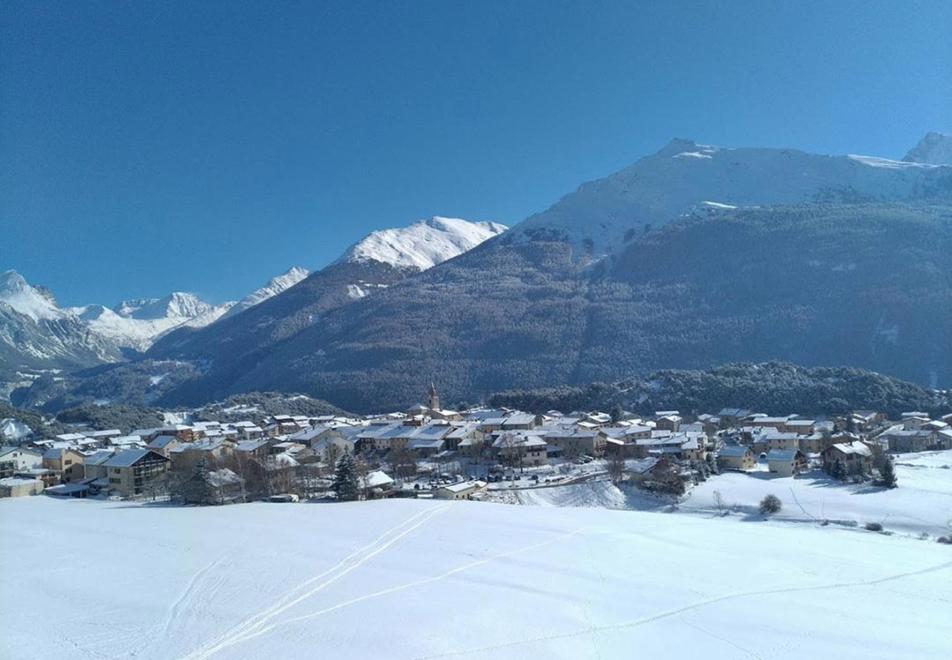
<point>206,146</point>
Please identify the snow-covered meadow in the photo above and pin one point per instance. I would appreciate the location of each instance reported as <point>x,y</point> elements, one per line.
<point>921,505</point>
<point>426,579</point>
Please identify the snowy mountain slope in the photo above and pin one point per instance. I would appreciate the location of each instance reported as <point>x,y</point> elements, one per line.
<point>136,324</point>
<point>35,302</point>
<point>493,581</point>
<point>371,265</point>
<point>602,216</point>
<point>275,285</point>
<point>423,244</point>
<point>36,334</point>
<point>934,148</point>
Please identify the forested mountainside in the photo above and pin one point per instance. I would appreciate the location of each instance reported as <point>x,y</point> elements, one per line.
<point>865,285</point>
<point>773,388</point>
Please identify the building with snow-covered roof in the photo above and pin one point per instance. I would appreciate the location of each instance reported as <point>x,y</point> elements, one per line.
<point>736,457</point>
<point>132,471</point>
<point>20,486</point>
<point>856,457</point>
<point>17,459</point>
<point>786,462</point>
<point>461,491</point>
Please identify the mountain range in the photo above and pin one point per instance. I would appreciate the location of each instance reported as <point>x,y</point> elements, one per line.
<point>36,334</point>
<point>693,256</point>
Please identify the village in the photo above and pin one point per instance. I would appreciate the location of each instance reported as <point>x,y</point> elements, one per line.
<point>431,452</point>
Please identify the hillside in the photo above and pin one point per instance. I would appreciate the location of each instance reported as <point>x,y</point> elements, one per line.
<point>774,388</point>
<point>866,285</point>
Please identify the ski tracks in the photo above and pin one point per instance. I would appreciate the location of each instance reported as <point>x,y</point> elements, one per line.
<point>686,608</point>
<point>252,626</point>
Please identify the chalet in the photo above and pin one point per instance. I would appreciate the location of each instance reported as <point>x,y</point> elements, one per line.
<point>736,457</point>
<point>258,449</point>
<point>814,443</point>
<point>641,469</point>
<point>376,484</point>
<point>786,462</point>
<point>521,422</point>
<point>461,491</point>
<point>329,448</point>
<point>943,439</point>
<point>521,449</point>
<point>800,426</point>
<point>908,440</point>
<point>464,437</point>
<point>96,469</point>
<point>668,422</point>
<point>164,444</point>
<point>856,457</point>
<point>186,455</point>
<point>103,437</point>
<point>17,459</point>
<point>225,486</point>
<point>780,440</point>
<point>68,463</point>
<point>574,442</point>
<point>131,471</point>
<point>124,442</point>
<point>429,440</point>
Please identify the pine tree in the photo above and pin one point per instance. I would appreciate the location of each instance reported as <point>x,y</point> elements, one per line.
<point>346,484</point>
<point>616,413</point>
<point>839,470</point>
<point>887,473</point>
<point>197,489</point>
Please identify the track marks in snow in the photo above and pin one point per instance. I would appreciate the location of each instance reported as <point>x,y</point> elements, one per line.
<point>687,608</point>
<point>251,626</point>
<point>418,583</point>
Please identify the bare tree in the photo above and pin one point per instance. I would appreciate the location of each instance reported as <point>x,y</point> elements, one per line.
<point>402,462</point>
<point>616,468</point>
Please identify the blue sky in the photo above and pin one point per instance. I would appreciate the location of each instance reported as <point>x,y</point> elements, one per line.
<point>157,146</point>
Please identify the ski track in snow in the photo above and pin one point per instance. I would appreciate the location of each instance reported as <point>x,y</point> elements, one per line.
<point>634,623</point>
<point>250,627</point>
<point>420,582</point>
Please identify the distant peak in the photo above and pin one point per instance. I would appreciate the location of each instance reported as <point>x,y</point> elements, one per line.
<point>933,149</point>
<point>12,280</point>
<point>676,146</point>
<point>422,244</point>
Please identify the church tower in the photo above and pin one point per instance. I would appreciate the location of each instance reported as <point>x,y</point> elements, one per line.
<point>433,399</point>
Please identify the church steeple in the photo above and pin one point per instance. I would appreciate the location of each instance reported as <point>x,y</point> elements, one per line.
<point>433,399</point>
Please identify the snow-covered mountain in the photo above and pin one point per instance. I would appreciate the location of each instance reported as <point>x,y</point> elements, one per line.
<point>36,302</point>
<point>603,216</point>
<point>274,286</point>
<point>423,244</point>
<point>934,149</point>
<point>36,334</point>
<point>378,261</point>
<point>136,324</point>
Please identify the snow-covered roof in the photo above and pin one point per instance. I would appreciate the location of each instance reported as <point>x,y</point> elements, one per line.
<point>376,479</point>
<point>734,451</point>
<point>129,457</point>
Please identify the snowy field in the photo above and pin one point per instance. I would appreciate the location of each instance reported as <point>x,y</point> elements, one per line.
<point>426,579</point>
<point>921,505</point>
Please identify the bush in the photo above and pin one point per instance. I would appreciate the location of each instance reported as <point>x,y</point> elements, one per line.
<point>874,527</point>
<point>770,505</point>
<point>944,539</point>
